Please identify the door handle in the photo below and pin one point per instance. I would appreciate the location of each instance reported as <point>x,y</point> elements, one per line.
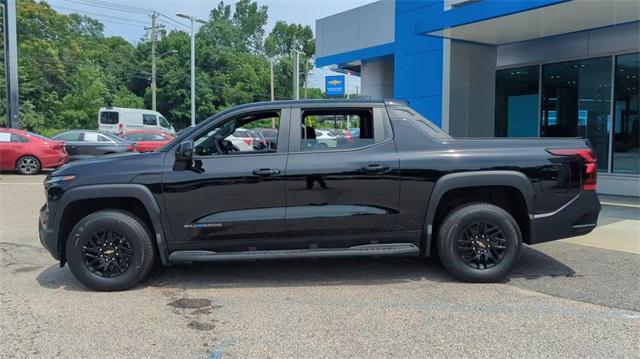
<point>265,172</point>
<point>375,168</point>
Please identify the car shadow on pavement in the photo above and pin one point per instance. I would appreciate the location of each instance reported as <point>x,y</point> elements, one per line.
<point>309,272</point>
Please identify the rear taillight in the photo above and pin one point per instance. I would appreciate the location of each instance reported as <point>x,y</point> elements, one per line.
<point>248,141</point>
<point>121,130</point>
<point>589,168</point>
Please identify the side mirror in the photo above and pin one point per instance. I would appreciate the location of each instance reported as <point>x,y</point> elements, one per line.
<point>184,156</point>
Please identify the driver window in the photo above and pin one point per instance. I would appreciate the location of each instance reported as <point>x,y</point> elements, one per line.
<point>247,133</point>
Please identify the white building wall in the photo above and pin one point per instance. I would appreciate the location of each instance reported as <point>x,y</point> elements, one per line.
<point>377,78</point>
<point>366,26</point>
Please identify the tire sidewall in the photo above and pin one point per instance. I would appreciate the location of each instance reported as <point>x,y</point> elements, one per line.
<point>451,231</point>
<point>38,163</point>
<point>119,222</point>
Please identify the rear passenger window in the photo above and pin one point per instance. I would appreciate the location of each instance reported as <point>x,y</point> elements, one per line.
<point>5,137</point>
<point>16,138</point>
<point>324,130</point>
<point>109,117</point>
<point>90,137</point>
<point>70,136</point>
<point>149,120</point>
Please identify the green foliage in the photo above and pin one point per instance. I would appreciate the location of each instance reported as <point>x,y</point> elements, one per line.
<point>284,38</point>
<point>30,119</point>
<point>68,69</point>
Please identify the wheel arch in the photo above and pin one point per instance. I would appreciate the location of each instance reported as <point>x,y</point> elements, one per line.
<point>111,196</point>
<point>514,180</point>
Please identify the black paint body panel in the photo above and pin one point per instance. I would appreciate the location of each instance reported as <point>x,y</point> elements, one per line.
<point>327,199</point>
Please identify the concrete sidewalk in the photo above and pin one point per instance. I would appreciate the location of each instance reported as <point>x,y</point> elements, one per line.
<point>618,226</point>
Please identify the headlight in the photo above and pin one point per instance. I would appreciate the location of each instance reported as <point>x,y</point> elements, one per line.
<point>58,179</point>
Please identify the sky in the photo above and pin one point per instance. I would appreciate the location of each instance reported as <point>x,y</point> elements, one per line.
<point>130,25</point>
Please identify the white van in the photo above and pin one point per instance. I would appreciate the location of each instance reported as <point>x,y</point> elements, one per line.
<point>120,120</point>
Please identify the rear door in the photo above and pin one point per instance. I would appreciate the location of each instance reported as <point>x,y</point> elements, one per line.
<point>337,185</point>
<point>72,141</point>
<point>108,120</point>
<point>8,152</point>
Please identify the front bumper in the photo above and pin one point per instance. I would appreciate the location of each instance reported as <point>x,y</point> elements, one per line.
<point>576,218</point>
<point>48,236</point>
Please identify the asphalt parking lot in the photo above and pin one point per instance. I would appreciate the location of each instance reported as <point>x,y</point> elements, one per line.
<point>575,298</point>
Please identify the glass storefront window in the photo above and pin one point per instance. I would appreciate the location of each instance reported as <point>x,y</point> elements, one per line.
<point>626,133</point>
<point>576,102</point>
<point>517,102</point>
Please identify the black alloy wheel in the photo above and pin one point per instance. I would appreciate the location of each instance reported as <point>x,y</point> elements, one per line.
<point>482,245</point>
<point>107,253</point>
<point>479,242</point>
<point>109,250</point>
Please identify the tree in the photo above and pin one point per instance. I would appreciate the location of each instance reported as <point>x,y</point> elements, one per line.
<point>69,69</point>
<point>284,38</point>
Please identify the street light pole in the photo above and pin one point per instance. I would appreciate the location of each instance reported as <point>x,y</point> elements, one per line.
<point>193,65</point>
<point>11,63</point>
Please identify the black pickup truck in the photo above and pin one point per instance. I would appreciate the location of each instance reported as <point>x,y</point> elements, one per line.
<point>342,178</point>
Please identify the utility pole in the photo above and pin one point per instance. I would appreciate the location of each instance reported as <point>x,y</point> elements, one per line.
<point>346,87</point>
<point>306,75</point>
<point>296,74</point>
<point>273,92</point>
<point>154,86</point>
<point>11,62</point>
<point>193,65</point>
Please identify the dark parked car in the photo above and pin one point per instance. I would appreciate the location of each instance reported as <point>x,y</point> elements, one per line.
<point>401,187</point>
<point>83,144</point>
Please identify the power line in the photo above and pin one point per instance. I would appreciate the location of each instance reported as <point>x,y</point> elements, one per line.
<point>86,2</point>
<point>117,5</point>
<point>174,21</point>
<point>99,16</point>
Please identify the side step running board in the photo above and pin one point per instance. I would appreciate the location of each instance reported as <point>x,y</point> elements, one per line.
<point>363,250</point>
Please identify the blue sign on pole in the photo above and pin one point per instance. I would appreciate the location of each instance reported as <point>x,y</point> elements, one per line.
<point>334,85</point>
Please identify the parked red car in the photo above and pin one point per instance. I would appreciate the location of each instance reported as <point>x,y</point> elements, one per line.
<point>28,153</point>
<point>149,140</point>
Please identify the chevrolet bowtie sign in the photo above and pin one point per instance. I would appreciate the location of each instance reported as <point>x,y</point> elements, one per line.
<point>334,85</point>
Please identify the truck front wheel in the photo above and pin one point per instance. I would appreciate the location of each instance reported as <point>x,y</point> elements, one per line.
<point>110,250</point>
<point>479,242</point>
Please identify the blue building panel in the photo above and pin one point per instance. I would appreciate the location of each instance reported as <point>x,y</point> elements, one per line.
<point>418,59</point>
<point>403,6</point>
<point>369,53</point>
<point>478,11</point>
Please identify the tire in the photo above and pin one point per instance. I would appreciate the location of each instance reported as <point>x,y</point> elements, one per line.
<point>28,165</point>
<point>493,246</point>
<point>106,233</point>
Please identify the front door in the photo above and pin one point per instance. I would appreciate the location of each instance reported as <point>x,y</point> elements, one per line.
<point>342,172</point>
<point>230,198</point>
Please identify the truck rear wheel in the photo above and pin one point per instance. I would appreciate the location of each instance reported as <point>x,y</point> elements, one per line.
<point>110,250</point>
<point>479,242</point>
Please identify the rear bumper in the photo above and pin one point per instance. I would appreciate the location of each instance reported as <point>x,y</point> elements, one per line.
<point>53,161</point>
<point>48,236</point>
<point>578,217</point>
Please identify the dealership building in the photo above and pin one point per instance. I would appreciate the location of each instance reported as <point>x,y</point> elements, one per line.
<point>504,68</point>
